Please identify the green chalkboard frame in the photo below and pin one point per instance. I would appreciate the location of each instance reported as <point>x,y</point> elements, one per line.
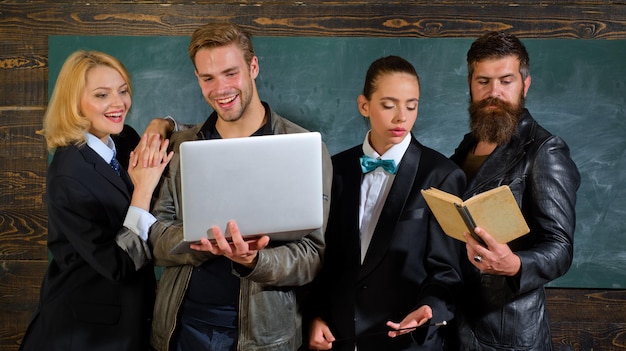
<point>577,92</point>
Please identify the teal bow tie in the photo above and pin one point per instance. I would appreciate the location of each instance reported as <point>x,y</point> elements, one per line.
<point>369,164</point>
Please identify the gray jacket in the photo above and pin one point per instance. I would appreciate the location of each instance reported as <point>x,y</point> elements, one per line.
<point>508,313</point>
<point>269,315</point>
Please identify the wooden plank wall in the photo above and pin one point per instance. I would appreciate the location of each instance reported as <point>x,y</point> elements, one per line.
<point>582,319</point>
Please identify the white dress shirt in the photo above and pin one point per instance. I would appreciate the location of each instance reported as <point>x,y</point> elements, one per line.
<point>137,219</point>
<point>375,187</point>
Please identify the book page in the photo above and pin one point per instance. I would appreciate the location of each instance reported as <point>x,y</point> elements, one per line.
<point>497,212</point>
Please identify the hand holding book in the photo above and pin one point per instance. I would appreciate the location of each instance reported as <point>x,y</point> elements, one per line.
<point>494,210</point>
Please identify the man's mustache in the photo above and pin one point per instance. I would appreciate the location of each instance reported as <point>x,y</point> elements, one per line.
<point>492,101</point>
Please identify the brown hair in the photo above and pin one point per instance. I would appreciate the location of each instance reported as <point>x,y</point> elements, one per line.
<point>219,34</point>
<point>495,45</point>
<point>382,66</point>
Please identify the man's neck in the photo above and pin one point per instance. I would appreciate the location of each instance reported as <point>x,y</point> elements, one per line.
<point>250,122</point>
<point>484,148</point>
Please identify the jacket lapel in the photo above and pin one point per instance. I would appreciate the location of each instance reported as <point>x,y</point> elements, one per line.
<point>392,210</point>
<point>351,191</point>
<point>122,182</point>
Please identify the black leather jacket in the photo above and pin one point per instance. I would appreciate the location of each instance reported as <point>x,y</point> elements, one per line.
<point>508,313</point>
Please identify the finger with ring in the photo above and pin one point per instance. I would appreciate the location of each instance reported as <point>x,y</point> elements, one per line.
<point>478,258</point>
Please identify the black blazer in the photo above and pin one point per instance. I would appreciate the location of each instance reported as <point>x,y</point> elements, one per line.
<point>410,261</point>
<point>93,297</point>
<point>125,142</point>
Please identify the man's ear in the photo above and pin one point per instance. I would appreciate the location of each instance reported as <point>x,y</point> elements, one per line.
<point>254,67</point>
<point>364,105</point>
<point>526,85</point>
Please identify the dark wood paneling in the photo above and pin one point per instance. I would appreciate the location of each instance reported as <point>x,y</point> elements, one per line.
<point>599,20</point>
<point>22,76</point>
<point>581,319</point>
<point>23,235</point>
<point>18,135</point>
<point>19,286</point>
<point>23,159</point>
<point>587,319</point>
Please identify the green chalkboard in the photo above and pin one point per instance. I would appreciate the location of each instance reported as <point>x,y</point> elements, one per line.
<point>578,92</point>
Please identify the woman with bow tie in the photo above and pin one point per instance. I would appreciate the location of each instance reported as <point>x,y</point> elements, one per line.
<point>389,271</point>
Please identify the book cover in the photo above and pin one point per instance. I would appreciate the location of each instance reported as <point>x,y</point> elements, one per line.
<point>494,210</point>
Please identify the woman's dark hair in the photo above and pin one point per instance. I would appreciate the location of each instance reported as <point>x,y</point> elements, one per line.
<point>382,66</point>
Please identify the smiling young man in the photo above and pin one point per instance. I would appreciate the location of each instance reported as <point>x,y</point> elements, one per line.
<point>237,296</point>
<point>503,304</point>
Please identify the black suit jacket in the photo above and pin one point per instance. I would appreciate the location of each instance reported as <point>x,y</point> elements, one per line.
<point>93,297</point>
<point>125,142</point>
<point>410,261</point>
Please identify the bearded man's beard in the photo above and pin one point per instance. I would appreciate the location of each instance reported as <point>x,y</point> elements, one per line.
<point>495,125</point>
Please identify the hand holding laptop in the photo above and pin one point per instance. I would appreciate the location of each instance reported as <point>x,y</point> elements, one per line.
<point>236,248</point>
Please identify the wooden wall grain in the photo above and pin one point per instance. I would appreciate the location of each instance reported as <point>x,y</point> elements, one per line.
<point>582,319</point>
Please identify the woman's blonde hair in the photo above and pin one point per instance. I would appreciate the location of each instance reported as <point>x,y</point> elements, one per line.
<point>63,122</point>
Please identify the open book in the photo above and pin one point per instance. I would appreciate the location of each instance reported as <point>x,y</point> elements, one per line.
<point>494,210</point>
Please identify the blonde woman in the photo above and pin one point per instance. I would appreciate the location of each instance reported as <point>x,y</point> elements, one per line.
<point>98,291</point>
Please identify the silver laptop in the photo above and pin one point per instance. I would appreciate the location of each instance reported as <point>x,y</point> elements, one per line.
<point>270,185</point>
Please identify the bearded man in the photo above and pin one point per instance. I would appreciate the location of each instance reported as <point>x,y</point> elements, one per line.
<point>503,304</point>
